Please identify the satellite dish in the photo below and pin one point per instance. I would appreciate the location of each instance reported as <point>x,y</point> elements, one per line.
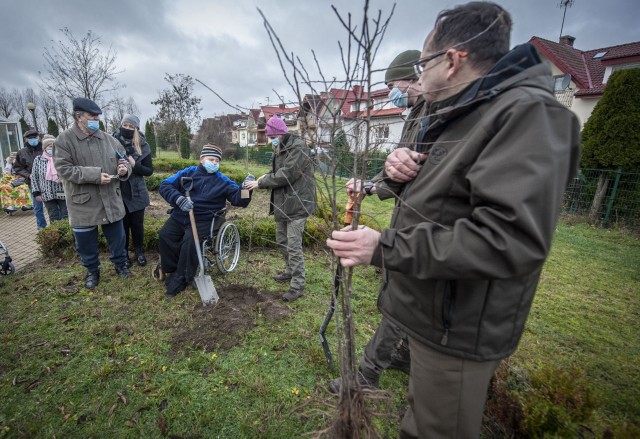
<point>566,80</point>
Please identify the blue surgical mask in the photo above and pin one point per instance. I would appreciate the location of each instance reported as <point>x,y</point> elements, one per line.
<point>93,125</point>
<point>210,166</point>
<point>275,142</point>
<point>50,151</point>
<point>33,142</point>
<point>399,99</point>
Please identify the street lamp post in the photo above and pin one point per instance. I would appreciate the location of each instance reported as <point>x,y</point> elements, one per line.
<point>32,108</point>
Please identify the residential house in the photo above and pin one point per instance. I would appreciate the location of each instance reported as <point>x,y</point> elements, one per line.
<point>581,76</point>
<point>349,109</point>
<point>386,121</point>
<point>252,126</point>
<point>239,134</point>
<point>308,118</point>
<point>221,129</point>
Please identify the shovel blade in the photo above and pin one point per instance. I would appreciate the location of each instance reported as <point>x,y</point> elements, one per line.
<point>206,289</point>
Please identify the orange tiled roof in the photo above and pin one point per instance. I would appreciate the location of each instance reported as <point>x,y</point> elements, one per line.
<point>586,71</point>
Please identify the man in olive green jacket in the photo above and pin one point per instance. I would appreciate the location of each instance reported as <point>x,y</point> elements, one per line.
<point>470,234</point>
<point>293,200</point>
<point>91,165</point>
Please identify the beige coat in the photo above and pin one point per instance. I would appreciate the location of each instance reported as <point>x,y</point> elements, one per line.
<point>80,159</point>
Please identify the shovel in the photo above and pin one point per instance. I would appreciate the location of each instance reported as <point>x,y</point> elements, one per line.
<point>206,289</point>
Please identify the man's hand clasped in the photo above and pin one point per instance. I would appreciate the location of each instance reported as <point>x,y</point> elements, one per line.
<point>403,164</point>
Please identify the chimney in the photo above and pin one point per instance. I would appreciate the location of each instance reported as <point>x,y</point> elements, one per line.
<point>567,40</point>
<point>357,91</point>
<point>281,106</point>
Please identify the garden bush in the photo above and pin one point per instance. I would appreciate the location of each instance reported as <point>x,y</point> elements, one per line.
<point>56,240</point>
<point>545,401</point>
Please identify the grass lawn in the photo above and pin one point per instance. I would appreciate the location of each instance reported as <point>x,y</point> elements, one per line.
<point>118,362</point>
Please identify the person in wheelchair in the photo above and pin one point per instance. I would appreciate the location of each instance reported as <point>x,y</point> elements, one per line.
<point>208,194</point>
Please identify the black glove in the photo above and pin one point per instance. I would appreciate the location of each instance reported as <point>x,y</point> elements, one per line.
<point>184,204</point>
<point>129,149</point>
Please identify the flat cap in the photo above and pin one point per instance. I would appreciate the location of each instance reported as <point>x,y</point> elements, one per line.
<point>402,66</point>
<point>30,133</point>
<point>87,105</point>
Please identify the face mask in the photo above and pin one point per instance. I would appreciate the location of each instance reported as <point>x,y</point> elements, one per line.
<point>399,99</point>
<point>211,167</point>
<point>93,125</point>
<point>33,142</point>
<point>275,142</point>
<point>126,133</point>
<point>50,151</point>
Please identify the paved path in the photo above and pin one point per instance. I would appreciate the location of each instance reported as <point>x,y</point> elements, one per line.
<point>18,234</point>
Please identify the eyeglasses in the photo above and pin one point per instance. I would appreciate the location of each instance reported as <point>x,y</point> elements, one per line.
<point>422,62</point>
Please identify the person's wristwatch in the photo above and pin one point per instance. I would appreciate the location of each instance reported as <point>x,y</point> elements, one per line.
<point>368,185</point>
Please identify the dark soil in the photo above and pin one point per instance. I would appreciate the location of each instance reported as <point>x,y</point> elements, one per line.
<point>223,326</point>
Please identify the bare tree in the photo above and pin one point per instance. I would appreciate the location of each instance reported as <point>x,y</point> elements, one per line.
<point>19,102</point>
<point>47,105</point>
<point>177,106</point>
<point>80,67</point>
<point>6,106</point>
<point>63,113</point>
<point>117,109</point>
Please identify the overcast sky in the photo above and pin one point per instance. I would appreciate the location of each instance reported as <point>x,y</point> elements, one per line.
<point>225,44</point>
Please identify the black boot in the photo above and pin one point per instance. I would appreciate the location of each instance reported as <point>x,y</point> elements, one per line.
<point>142,261</point>
<point>123,271</point>
<point>92,279</point>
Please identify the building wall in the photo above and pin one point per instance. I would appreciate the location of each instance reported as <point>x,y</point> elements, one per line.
<point>356,131</point>
<point>583,107</point>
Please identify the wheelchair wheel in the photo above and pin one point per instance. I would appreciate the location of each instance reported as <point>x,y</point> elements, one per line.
<point>7,269</point>
<point>227,247</point>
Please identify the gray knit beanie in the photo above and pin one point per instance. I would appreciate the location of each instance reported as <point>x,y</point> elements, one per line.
<point>132,119</point>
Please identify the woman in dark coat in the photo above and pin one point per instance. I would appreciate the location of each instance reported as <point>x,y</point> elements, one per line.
<point>134,190</point>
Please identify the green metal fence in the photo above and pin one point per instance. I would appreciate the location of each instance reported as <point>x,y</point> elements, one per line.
<point>605,197</point>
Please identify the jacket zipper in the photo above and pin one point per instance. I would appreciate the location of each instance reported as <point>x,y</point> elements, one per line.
<point>446,311</point>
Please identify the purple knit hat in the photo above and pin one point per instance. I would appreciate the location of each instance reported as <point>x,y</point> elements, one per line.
<point>276,126</point>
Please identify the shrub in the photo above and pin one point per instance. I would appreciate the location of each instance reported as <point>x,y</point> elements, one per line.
<point>153,181</point>
<point>172,165</point>
<point>558,402</point>
<point>549,402</point>
<point>57,239</point>
<point>610,138</point>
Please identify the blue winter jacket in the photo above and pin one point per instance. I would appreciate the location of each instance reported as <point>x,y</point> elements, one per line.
<point>210,193</point>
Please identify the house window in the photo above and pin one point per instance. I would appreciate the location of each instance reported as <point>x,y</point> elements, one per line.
<point>382,131</point>
<point>560,83</point>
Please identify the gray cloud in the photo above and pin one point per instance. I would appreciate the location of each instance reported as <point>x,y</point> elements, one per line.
<point>225,45</point>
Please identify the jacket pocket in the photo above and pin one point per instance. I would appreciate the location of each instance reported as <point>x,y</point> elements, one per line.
<point>80,198</point>
<point>291,204</point>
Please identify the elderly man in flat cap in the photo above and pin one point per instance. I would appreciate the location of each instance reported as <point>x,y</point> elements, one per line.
<point>91,165</point>
<point>210,190</point>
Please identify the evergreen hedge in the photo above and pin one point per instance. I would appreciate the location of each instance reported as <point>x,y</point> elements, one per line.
<point>611,138</point>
